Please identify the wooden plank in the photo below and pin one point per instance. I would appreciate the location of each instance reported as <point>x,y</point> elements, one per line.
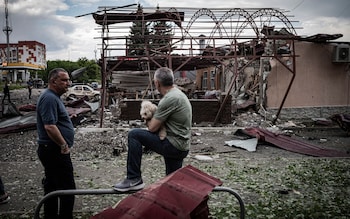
<point>130,76</point>
<point>130,84</point>
<point>132,89</point>
<point>132,72</point>
<point>140,79</point>
<point>130,81</point>
<point>123,80</point>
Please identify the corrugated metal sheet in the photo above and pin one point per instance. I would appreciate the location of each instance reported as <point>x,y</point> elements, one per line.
<point>175,196</point>
<point>294,145</point>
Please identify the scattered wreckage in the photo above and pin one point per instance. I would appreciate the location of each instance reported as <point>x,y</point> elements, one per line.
<point>22,118</point>
<point>259,135</point>
<point>18,119</point>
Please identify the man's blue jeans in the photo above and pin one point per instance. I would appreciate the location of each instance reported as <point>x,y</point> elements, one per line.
<point>137,138</point>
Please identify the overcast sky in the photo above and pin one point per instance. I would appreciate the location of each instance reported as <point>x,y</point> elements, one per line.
<point>53,22</point>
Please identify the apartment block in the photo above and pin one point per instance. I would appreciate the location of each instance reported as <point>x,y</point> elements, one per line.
<point>25,58</point>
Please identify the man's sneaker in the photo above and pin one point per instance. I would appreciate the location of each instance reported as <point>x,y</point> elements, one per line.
<point>129,185</point>
<point>4,198</point>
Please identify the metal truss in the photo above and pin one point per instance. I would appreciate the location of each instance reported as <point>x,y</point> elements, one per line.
<point>200,38</point>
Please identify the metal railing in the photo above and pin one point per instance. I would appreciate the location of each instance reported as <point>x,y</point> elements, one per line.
<point>112,191</point>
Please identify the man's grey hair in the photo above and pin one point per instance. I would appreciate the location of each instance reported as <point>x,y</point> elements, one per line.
<point>165,76</point>
<point>53,74</point>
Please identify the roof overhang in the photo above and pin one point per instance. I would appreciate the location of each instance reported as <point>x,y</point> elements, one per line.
<point>20,66</point>
<point>113,18</point>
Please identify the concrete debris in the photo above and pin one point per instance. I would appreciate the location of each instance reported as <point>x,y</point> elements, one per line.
<point>322,140</point>
<point>343,120</point>
<point>203,157</point>
<point>249,144</point>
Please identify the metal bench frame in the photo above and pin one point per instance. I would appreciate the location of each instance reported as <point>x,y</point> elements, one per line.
<point>112,191</point>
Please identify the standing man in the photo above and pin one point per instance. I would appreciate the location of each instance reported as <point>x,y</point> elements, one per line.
<point>30,87</point>
<point>55,139</point>
<point>175,112</point>
<point>6,92</point>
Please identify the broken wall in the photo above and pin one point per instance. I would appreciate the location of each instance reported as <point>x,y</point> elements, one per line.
<point>203,110</point>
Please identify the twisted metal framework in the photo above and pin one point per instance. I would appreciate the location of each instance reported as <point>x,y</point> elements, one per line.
<point>219,27</point>
<point>200,38</point>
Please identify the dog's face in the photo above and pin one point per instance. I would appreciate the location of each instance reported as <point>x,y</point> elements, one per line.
<point>147,109</point>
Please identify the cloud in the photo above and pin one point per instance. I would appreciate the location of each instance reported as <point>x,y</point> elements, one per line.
<point>54,22</point>
<point>37,8</point>
<point>65,37</point>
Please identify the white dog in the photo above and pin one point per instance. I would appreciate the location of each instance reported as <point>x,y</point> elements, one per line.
<point>147,111</point>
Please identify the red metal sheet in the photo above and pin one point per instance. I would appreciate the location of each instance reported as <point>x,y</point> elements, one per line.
<point>294,145</point>
<point>175,196</point>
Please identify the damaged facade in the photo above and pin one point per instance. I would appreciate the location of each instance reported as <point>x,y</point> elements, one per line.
<point>272,70</point>
<point>264,65</point>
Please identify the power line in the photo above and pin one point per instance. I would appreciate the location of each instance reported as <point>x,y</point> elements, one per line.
<point>298,5</point>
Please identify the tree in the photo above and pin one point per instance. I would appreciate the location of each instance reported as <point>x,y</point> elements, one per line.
<point>92,72</point>
<point>154,36</point>
<point>161,37</point>
<point>139,36</point>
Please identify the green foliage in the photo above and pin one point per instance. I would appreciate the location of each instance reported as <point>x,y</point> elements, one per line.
<point>161,37</point>
<point>12,86</point>
<point>92,72</point>
<point>139,36</point>
<point>310,188</point>
<point>154,36</point>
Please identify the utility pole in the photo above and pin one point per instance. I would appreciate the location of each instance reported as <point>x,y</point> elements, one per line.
<point>7,30</point>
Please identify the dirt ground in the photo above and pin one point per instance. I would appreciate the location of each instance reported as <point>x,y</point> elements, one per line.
<point>98,165</point>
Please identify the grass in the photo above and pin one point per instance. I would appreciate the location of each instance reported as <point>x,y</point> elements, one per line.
<point>311,188</point>
<point>12,86</point>
<point>281,188</point>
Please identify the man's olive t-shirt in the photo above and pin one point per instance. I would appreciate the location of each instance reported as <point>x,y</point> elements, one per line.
<point>175,110</point>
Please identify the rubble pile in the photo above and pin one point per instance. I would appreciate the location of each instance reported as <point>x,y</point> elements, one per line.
<point>105,143</point>
<point>251,119</point>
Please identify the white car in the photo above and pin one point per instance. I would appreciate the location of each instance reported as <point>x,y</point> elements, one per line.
<point>80,91</point>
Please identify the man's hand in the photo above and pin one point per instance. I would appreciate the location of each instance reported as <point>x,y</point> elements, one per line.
<point>65,149</point>
<point>147,122</point>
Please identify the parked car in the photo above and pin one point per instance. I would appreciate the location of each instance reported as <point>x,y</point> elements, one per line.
<point>95,85</point>
<point>80,91</point>
<point>38,83</point>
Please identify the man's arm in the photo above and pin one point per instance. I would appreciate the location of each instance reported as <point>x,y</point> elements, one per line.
<point>153,124</point>
<point>54,133</point>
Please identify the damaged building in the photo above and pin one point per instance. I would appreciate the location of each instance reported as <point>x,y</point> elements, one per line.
<point>229,60</point>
